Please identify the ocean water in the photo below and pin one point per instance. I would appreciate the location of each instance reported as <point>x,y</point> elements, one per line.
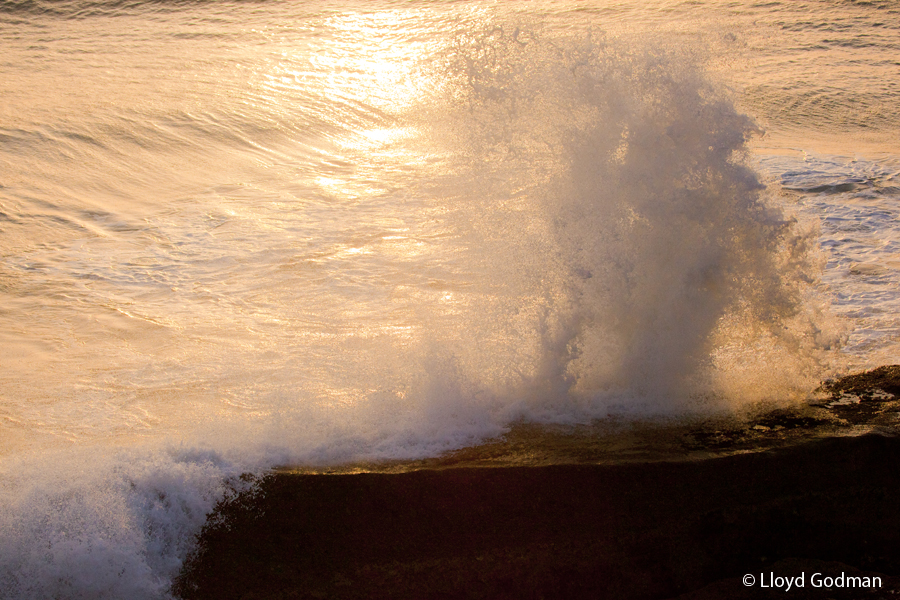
<point>242,235</point>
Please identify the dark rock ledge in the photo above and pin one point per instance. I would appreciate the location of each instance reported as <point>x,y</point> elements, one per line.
<point>690,522</point>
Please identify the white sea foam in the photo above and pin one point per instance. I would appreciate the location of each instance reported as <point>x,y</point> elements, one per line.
<point>95,523</point>
<point>856,201</point>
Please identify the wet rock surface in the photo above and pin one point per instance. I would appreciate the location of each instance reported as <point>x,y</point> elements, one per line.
<point>787,493</point>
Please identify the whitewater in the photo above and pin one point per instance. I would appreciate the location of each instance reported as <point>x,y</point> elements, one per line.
<point>237,236</point>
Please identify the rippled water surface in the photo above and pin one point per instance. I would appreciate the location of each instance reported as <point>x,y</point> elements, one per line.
<point>241,235</point>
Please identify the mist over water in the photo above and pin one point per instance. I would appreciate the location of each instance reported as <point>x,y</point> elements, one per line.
<point>236,237</point>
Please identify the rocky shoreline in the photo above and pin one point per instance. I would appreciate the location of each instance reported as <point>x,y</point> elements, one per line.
<point>782,497</point>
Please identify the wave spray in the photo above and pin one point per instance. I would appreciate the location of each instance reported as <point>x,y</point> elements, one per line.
<point>607,187</point>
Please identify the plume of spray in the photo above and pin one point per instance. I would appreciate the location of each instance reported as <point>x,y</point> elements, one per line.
<point>612,189</point>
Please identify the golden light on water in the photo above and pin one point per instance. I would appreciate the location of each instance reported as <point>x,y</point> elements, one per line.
<point>385,74</point>
<point>236,236</point>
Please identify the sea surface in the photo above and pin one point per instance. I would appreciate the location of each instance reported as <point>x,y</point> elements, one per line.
<point>243,235</point>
